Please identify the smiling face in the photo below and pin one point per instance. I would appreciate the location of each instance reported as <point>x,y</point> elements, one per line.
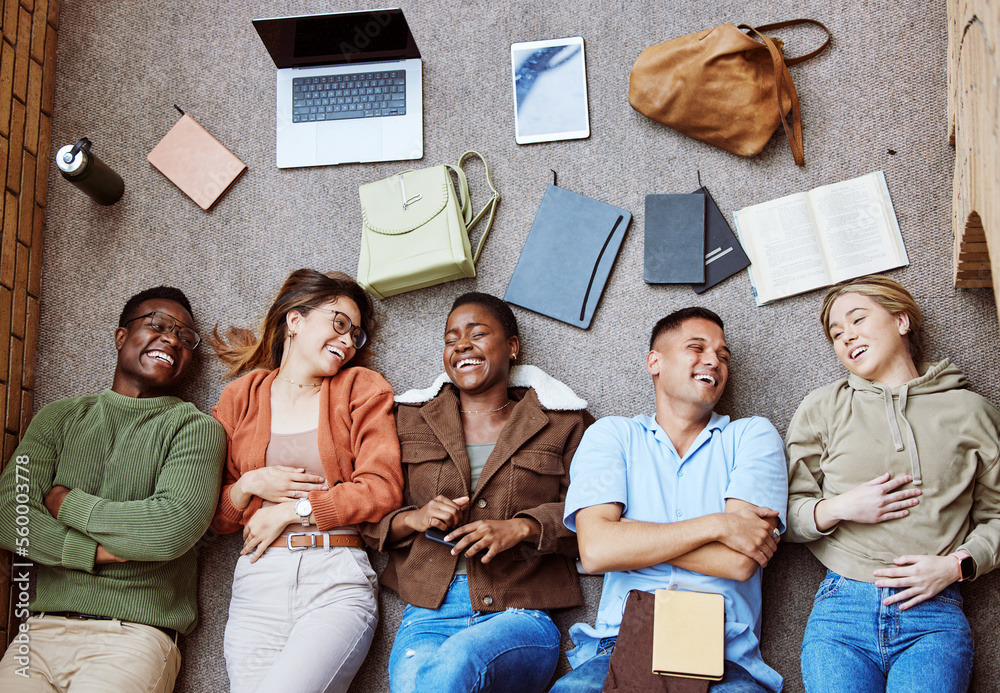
<point>476,351</point>
<point>870,341</point>
<point>151,364</point>
<point>317,350</point>
<point>690,365</point>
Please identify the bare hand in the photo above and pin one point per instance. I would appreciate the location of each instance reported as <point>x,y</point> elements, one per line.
<point>870,503</point>
<point>278,484</point>
<point>748,531</point>
<point>492,536</point>
<point>104,556</point>
<point>920,577</point>
<point>54,499</point>
<point>264,527</point>
<point>442,513</point>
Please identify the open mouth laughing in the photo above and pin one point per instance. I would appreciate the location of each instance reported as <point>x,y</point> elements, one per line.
<point>158,355</point>
<point>468,363</point>
<point>705,378</point>
<point>336,351</point>
<point>857,351</point>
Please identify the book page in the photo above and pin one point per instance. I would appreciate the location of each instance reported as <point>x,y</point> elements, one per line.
<point>780,240</point>
<point>857,227</point>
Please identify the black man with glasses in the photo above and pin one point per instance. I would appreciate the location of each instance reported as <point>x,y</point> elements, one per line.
<point>107,494</point>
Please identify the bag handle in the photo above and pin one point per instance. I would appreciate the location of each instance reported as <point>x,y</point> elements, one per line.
<point>782,78</point>
<point>463,193</point>
<point>466,208</point>
<point>797,22</point>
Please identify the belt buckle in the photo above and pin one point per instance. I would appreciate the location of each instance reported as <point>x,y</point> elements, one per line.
<point>288,541</point>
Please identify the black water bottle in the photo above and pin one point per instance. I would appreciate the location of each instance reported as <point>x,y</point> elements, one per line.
<point>82,168</point>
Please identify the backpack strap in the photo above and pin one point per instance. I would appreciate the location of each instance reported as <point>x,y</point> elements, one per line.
<point>466,208</point>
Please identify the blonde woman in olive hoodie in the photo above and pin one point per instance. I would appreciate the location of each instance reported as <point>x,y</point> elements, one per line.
<point>894,485</point>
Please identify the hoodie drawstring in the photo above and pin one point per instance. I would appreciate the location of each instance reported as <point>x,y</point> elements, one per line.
<point>897,439</point>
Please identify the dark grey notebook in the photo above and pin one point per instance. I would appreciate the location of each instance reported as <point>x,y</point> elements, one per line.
<point>567,257</point>
<point>675,239</point>
<point>724,255</point>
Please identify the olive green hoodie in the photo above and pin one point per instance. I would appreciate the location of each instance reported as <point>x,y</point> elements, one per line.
<point>932,427</point>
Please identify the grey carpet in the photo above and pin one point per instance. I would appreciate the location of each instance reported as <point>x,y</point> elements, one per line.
<point>875,100</point>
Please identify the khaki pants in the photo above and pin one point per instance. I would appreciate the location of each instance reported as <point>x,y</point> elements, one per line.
<point>93,656</point>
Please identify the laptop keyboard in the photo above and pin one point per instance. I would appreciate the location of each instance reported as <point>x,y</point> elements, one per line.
<point>340,97</point>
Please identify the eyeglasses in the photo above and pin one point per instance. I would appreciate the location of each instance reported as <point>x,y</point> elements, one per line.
<point>164,324</point>
<point>343,325</point>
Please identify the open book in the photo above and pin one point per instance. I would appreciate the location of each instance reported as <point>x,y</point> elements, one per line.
<point>813,239</point>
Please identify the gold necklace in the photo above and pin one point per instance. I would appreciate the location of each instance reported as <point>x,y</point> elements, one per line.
<point>485,411</point>
<point>289,380</point>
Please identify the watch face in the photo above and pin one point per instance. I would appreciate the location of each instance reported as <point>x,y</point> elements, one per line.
<point>303,508</point>
<point>968,568</point>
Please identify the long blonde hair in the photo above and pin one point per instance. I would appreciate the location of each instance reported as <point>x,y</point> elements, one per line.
<point>889,294</point>
<point>242,350</point>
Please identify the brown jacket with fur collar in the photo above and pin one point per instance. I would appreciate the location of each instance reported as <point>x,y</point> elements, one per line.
<point>526,475</point>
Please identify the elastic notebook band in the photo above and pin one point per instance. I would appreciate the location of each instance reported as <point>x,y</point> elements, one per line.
<point>590,284</point>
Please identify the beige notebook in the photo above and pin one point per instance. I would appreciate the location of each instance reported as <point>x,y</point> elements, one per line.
<point>196,162</point>
<point>689,634</point>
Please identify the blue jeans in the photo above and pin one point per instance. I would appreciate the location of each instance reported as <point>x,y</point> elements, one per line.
<point>854,643</point>
<point>589,678</point>
<point>455,648</point>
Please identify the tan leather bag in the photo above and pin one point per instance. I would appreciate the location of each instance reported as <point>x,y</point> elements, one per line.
<point>723,87</point>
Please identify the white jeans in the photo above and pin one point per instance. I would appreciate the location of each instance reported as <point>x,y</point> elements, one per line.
<point>300,621</point>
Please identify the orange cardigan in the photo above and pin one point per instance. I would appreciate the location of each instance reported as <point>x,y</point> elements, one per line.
<point>358,447</point>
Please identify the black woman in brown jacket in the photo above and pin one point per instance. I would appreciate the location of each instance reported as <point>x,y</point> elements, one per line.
<point>486,453</point>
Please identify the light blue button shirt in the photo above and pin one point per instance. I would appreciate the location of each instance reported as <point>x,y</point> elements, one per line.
<point>634,463</point>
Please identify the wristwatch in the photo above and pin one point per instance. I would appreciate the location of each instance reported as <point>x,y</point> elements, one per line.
<point>968,568</point>
<point>303,508</point>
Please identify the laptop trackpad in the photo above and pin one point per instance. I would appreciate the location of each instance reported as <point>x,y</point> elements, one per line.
<point>348,141</point>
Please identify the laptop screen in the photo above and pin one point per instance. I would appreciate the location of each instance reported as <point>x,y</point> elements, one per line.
<point>336,39</point>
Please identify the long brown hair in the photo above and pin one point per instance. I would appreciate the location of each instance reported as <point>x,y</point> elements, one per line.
<point>890,295</point>
<point>242,350</point>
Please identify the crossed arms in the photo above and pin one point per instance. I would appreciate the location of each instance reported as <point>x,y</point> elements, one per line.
<point>160,527</point>
<point>731,544</point>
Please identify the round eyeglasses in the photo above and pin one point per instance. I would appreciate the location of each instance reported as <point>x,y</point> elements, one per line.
<point>164,324</point>
<point>343,325</point>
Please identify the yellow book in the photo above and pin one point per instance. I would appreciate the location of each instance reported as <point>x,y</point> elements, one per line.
<point>689,634</point>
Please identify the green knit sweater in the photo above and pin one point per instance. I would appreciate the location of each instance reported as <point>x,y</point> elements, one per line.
<point>144,474</point>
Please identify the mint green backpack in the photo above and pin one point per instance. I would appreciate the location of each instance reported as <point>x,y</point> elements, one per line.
<point>416,231</point>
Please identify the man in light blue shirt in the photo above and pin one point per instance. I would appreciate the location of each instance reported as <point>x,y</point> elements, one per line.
<point>684,500</point>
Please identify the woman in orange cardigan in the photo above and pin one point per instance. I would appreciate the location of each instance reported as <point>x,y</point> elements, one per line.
<point>312,452</point>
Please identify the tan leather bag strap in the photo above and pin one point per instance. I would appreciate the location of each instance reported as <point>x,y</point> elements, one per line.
<point>795,22</point>
<point>491,205</point>
<point>784,80</point>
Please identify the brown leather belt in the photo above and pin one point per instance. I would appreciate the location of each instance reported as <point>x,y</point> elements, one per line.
<point>300,541</point>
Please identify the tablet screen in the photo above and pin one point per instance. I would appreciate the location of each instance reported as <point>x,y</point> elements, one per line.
<point>550,90</point>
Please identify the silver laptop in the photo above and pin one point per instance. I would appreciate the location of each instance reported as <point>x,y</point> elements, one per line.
<point>349,87</point>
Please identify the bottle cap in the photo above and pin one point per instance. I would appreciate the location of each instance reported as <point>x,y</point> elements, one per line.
<point>69,161</point>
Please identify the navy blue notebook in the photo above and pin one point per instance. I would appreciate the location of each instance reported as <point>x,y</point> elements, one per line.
<point>567,257</point>
<point>674,250</point>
